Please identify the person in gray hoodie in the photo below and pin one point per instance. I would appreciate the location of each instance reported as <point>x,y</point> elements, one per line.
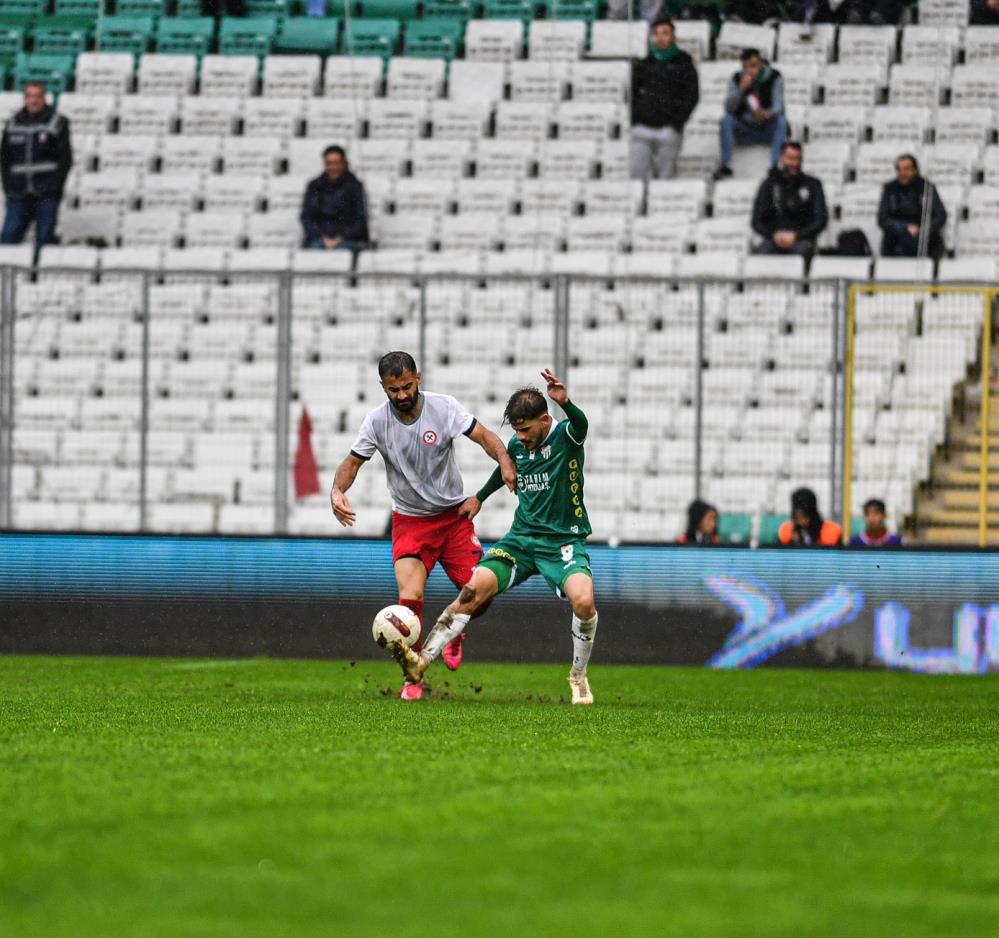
<point>754,111</point>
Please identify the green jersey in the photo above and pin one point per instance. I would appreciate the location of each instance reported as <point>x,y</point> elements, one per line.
<point>550,486</point>
<point>549,482</point>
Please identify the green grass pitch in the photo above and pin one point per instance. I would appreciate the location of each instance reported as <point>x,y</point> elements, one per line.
<point>162,797</point>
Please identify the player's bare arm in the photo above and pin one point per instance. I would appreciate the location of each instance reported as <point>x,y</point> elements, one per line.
<point>495,448</point>
<point>343,480</point>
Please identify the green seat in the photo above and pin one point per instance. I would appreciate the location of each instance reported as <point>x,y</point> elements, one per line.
<point>127,34</point>
<point>434,39</point>
<point>11,40</point>
<point>27,11</point>
<point>188,9</point>
<point>153,8</point>
<point>509,10</point>
<point>61,34</point>
<point>448,9</point>
<point>390,9</point>
<point>735,529</point>
<point>279,9</point>
<point>308,34</point>
<point>371,37</point>
<point>18,20</point>
<point>185,36</point>
<point>571,10</point>
<point>89,8</point>
<point>769,526</point>
<point>247,36</point>
<point>54,70</point>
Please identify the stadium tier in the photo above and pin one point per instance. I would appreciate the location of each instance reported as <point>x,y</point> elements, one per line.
<point>494,152</point>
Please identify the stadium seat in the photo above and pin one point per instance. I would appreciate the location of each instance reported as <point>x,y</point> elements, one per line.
<point>346,77</point>
<point>185,36</point>
<point>539,81</point>
<point>733,37</point>
<point>54,70</point>
<point>147,115</point>
<point>556,39</point>
<point>272,117</point>
<point>915,84</point>
<point>231,75</point>
<point>436,38</point>
<point>132,34</point>
<point>104,72</point>
<point>250,35</point>
<point>181,154</point>
<point>202,116</point>
<point>494,40</point>
<point>88,113</point>
<point>916,269</point>
<point>459,120</point>
<point>167,75</point>
<point>371,37</point>
<point>619,40</point>
<point>867,44</point>
<point>291,76</point>
<point>417,78</point>
<point>846,268</point>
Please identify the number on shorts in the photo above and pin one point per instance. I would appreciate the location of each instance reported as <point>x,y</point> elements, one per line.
<point>567,552</point>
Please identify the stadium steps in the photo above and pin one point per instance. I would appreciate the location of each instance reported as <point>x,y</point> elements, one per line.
<point>949,512</point>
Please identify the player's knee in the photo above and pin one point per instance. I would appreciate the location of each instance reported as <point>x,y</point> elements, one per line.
<point>584,606</point>
<point>411,594</point>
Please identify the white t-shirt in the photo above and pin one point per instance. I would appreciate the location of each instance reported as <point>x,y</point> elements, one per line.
<point>420,466</point>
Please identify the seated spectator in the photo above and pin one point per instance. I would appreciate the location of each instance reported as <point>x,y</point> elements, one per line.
<point>664,92</point>
<point>754,111</point>
<point>985,12</point>
<point>911,214</point>
<point>875,534</point>
<point>702,525</point>
<point>789,212</point>
<point>807,528</point>
<point>334,211</point>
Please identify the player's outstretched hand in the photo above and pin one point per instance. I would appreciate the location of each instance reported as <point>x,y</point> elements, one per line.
<point>557,391</point>
<point>342,508</point>
<point>470,507</point>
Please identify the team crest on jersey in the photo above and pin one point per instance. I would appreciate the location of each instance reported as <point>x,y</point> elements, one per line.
<point>430,437</point>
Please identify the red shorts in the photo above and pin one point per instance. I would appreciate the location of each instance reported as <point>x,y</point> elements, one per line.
<point>446,537</point>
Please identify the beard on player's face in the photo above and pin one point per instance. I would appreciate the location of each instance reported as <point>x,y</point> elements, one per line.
<point>531,432</point>
<point>405,406</point>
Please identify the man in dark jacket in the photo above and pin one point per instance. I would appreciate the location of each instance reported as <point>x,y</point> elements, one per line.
<point>754,110</point>
<point>900,214</point>
<point>790,208</point>
<point>334,210</point>
<point>35,159</point>
<point>664,92</point>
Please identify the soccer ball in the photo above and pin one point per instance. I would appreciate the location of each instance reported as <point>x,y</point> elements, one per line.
<point>396,624</point>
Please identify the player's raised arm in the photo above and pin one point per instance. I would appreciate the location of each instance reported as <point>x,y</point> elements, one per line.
<point>343,480</point>
<point>493,445</point>
<point>559,393</point>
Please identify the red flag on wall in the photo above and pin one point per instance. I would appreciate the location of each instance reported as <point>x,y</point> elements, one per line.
<point>306,470</point>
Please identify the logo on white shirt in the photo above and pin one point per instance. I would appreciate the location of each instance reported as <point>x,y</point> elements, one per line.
<point>430,437</point>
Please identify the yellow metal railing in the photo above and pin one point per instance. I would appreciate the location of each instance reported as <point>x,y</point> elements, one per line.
<point>988,295</point>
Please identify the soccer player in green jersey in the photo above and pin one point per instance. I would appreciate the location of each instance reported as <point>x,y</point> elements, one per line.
<point>548,535</point>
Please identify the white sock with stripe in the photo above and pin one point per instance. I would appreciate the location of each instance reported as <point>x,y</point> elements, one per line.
<point>447,628</point>
<point>583,634</point>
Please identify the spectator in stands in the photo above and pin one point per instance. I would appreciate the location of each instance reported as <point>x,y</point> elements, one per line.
<point>875,534</point>
<point>911,214</point>
<point>35,159</point>
<point>664,92</point>
<point>334,210</point>
<point>702,525</point>
<point>985,12</point>
<point>807,528</point>
<point>754,110</point>
<point>789,212</point>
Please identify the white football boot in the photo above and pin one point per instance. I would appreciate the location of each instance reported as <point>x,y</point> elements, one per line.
<point>581,694</point>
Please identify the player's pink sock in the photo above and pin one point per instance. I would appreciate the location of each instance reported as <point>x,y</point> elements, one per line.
<point>417,606</point>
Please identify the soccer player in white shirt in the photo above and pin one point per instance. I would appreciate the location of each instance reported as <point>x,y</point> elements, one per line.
<point>414,431</point>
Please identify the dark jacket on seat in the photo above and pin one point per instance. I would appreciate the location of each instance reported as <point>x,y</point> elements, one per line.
<point>790,203</point>
<point>35,154</point>
<point>335,209</point>
<point>663,93</point>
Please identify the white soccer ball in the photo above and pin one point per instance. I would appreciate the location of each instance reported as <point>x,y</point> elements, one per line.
<point>396,624</point>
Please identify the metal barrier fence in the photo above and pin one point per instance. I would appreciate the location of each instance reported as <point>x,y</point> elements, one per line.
<point>172,400</point>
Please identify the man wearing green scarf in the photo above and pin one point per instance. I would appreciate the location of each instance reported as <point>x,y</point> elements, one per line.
<point>664,92</point>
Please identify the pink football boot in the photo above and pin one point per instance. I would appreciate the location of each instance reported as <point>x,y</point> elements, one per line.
<point>453,653</point>
<point>412,691</point>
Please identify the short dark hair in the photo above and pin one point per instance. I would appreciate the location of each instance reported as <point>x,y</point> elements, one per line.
<point>663,21</point>
<point>907,156</point>
<point>525,404</point>
<point>748,54</point>
<point>340,151</point>
<point>394,364</point>
<point>36,84</point>
<point>791,145</point>
<point>876,504</point>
